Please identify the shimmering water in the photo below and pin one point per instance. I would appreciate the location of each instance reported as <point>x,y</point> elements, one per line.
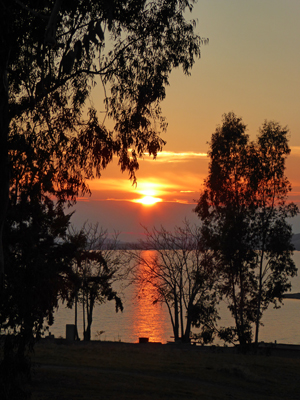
<point>141,318</point>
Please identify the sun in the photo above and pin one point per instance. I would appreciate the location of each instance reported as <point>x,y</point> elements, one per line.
<point>148,200</point>
<point>150,194</point>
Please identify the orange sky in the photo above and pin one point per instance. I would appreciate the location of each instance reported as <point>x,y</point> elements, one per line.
<point>251,67</point>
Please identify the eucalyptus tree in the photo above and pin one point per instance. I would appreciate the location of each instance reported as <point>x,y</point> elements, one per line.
<point>243,210</point>
<point>52,55</point>
<point>54,52</point>
<point>183,276</point>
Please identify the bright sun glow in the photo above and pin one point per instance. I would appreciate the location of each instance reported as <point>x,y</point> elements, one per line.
<point>148,200</point>
<point>149,192</point>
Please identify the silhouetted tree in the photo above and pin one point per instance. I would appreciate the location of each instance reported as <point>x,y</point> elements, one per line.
<point>97,265</point>
<point>243,210</point>
<point>38,260</point>
<point>53,52</point>
<point>183,277</point>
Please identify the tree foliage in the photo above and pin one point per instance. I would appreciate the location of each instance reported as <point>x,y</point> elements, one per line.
<point>54,52</point>
<point>183,278</point>
<point>243,209</point>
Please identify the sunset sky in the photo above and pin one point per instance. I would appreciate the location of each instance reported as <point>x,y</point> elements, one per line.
<point>251,67</point>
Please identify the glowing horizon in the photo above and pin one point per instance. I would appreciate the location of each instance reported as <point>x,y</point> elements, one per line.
<point>174,157</point>
<point>148,200</point>
<point>233,74</point>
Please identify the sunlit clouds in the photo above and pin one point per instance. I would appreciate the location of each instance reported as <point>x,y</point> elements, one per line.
<point>172,157</point>
<point>148,191</point>
<point>295,150</point>
<point>170,178</point>
<point>164,180</point>
<point>233,74</point>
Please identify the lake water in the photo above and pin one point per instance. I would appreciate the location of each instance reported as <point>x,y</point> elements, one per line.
<point>141,318</point>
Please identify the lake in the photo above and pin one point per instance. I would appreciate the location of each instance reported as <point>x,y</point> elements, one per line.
<point>141,318</point>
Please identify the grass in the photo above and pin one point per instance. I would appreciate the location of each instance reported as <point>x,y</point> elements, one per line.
<point>105,370</point>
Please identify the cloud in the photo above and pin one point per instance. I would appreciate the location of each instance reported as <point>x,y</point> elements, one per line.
<point>295,150</point>
<point>172,157</point>
<point>174,177</point>
<point>173,187</point>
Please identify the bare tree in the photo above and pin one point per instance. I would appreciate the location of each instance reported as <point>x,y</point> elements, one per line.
<point>97,265</point>
<point>182,274</point>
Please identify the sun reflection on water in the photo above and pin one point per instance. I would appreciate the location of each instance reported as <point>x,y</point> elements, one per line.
<point>148,320</point>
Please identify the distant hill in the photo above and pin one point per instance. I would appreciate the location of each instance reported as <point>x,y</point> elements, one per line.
<point>296,241</point>
<point>140,246</point>
<point>292,296</point>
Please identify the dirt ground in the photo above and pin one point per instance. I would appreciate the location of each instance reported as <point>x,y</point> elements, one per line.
<point>110,371</point>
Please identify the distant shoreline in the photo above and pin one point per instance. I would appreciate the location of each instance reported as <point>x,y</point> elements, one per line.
<point>140,245</point>
<point>292,296</point>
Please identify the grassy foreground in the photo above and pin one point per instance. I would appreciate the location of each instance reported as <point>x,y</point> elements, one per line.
<point>107,370</point>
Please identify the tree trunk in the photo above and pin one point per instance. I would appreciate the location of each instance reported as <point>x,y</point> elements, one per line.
<point>75,322</point>
<point>83,314</point>
<point>258,308</point>
<point>259,293</point>
<point>4,162</point>
<point>243,340</point>
<point>171,316</point>
<point>186,337</point>
<point>181,311</point>
<point>235,306</point>
<point>176,317</point>
<point>188,319</point>
<point>90,308</point>
<point>5,27</point>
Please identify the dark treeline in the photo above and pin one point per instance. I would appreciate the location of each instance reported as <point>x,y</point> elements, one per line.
<point>122,245</point>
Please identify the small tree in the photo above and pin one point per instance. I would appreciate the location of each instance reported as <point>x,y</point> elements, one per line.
<point>96,266</point>
<point>182,274</point>
<point>243,210</point>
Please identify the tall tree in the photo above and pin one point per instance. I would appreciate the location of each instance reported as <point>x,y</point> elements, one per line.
<point>183,277</point>
<point>38,272</point>
<point>53,52</point>
<point>243,209</point>
<point>274,247</point>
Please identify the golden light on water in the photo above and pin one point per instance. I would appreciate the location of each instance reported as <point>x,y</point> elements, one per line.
<point>149,320</point>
